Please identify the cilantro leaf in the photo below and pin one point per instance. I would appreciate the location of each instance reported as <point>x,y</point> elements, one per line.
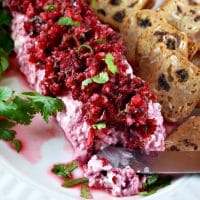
<point>85,46</point>
<point>101,41</point>
<point>5,93</point>
<point>3,61</point>
<point>66,21</point>
<point>47,106</point>
<point>5,124</point>
<point>93,4</point>
<point>7,135</point>
<point>65,170</point>
<point>99,126</point>
<point>5,18</point>
<point>50,7</point>
<point>6,42</point>
<point>86,82</point>
<point>101,78</point>
<point>8,109</point>
<point>71,183</point>
<point>109,59</point>
<point>85,191</point>
<point>24,112</point>
<point>150,181</point>
<point>17,145</point>
<point>154,183</point>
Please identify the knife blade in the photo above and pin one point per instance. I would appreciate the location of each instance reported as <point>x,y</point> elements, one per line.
<point>163,162</point>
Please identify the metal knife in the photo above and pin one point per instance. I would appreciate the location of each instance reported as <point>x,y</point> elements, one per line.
<point>163,162</point>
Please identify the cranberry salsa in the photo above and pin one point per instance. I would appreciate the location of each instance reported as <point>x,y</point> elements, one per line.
<point>81,55</point>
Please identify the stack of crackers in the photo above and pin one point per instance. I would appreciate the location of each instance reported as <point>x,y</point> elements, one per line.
<point>164,47</point>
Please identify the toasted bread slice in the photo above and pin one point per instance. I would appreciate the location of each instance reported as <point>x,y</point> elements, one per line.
<point>184,15</point>
<point>113,12</point>
<point>154,23</point>
<point>151,22</point>
<point>161,32</point>
<point>196,59</point>
<point>174,79</point>
<point>193,49</point>
<point>186,137</point>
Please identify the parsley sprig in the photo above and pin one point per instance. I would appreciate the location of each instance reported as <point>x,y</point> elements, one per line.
<point>20,109</point>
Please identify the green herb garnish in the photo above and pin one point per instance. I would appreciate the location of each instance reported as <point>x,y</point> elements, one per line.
<point>154,183</point>
<point>50,7</point>
<point>86,82</point>
<point>5,18</point>
<point>5,133</point>
<point>109,59</point>
<point>21,108</point>
<point>85,191</point>
<point>93,4</point>
<point>66,21</point>
<point>47,106</point>
<point>3,61</point>
<point>101,78</point>
<point>65,170</point>
<point>6,43</point>
<point>101,41</point>
<point>99,126</point>
<point>85,46</point>
<point>73,182</point>
<point>17,145</point>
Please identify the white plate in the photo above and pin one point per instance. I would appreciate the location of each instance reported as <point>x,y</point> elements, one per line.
<point>26,176</point>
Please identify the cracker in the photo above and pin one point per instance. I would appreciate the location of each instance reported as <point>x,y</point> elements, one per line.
<point>174,79</point>
<point>184,15</point>
<point>186,137</point>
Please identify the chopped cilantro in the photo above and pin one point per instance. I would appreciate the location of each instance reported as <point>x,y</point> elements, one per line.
<point>93,4</point>
<point>153,183</point>
<point>66,21</point>
<point>3,61</point>
<point>50,7</point>
<point>86,82</point>
<point>85,46</point>
<point>65,170</point>
<point>5,18</point>
<point>101,41</point>
<point>109,59</point>
<point>6,42</point>
<point>101,78</point>
<point>6,134</point>
<point>99,126</point>
<point>16,144</point>
<point>73,182</point>
<point>85,191</point>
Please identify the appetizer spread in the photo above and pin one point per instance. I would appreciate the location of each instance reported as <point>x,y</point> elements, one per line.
<point>66,52</point>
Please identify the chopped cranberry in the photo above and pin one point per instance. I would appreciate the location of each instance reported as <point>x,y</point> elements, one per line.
<point>104,161</point>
